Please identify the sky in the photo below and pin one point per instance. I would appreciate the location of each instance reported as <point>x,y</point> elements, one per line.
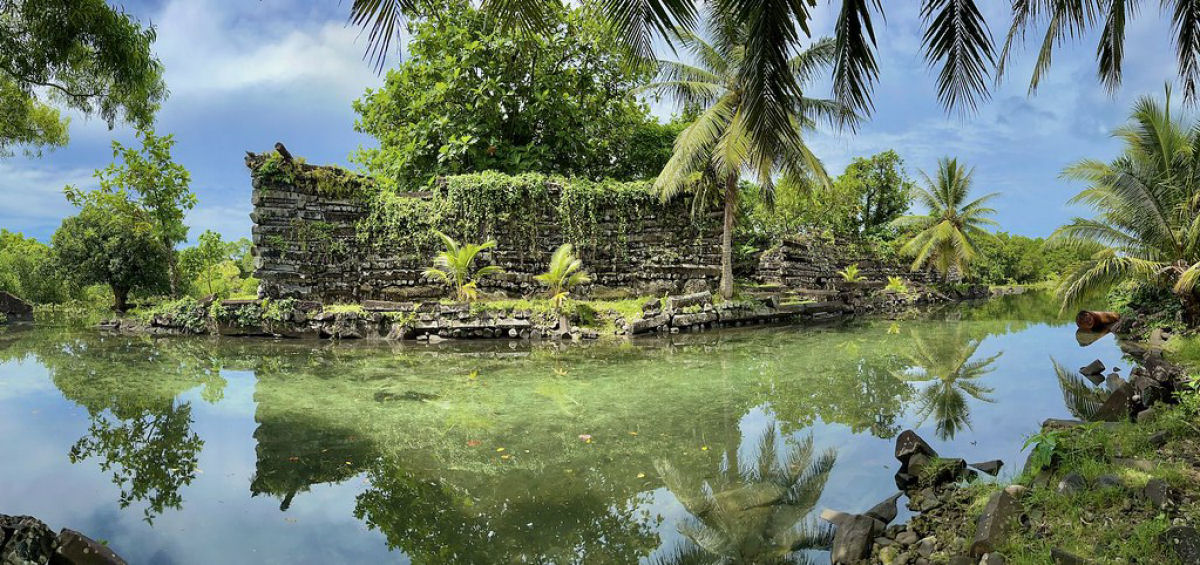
<point>243,75</point>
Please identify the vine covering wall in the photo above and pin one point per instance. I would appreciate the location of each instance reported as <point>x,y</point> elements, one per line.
<point>323,233</point>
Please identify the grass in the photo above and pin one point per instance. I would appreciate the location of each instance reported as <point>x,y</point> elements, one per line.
<point>1112,524</point>
<point>344,309</point>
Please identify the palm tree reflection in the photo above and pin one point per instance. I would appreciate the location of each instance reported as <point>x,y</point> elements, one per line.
<point>945,362</point>
<point>1081,398</point>
<point>753,512</point>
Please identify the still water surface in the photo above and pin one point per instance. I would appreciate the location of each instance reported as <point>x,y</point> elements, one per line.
<point>197,450</point>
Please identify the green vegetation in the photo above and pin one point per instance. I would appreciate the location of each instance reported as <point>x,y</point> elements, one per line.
<point>456,267</point>
<point>84,55</point>
<point>472,96</point>
<point>711,153</point>
<point>1147,230</point>
<point>111,242</point>
<point>850,274</point>
<point>946,237</point>
<point>28,270</point>
<point>564,273</point>
<point>218,268</point>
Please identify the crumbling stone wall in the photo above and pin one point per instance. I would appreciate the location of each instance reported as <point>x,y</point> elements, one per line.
<point>317,236</point>
<point>807,263</point>
<point>310,243</point>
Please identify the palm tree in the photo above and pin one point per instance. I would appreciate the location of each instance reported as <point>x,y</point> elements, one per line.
<point>946,362</point>
<point>753,512</point>
<point>946,236</point>
<point>564,274</point>
<point>718,146</point>
<point>957,40</point>
<point>1147,227</point>
<point>456,266</point>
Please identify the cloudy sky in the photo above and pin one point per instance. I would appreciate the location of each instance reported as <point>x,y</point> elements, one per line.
<point>244,74</point>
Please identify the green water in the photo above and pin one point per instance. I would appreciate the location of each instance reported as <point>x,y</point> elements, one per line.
<point>197,450</point>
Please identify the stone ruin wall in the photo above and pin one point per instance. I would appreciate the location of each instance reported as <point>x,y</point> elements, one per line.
<point>668,252</point>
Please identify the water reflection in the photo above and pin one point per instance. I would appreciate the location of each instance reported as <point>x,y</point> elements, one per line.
<point>948,366</point>
<point>1080,398</point>
<point>474,452</point>
<point>756,509</point>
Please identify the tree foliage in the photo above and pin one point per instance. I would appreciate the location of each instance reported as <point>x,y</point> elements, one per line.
<point>712,153</point>
<point>1147,200</point>
<point>28,270</point>
<point>473,96</point>
<point>154,183</point>
<point>215,267</point>
<point>112,241</point>
<point>946,237</point>
<point>84,55</point>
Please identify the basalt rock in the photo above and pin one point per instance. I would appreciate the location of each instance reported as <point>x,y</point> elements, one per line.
<point>989,467</point>
<point>1118,407</point>
<point>853,538</point>
<point>885,511</point>
<point>78,549</point>
<point>1094,368</point>
<point>994,522</point>
<point>1185,542</point>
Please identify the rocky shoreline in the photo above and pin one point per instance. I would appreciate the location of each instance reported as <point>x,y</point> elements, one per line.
<point>432,321</point>
<point>962,522</point>
<point>25,540</point>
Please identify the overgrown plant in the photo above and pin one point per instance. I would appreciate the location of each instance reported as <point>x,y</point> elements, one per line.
<point>565,272</point>
<point>896,284</point>
<point>456,266</point>
<point>850,274</point>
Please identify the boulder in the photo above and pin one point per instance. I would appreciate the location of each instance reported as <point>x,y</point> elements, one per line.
<point>1185,542</point>
<point>1158,493</point>
<point>1109,481</point>
<point>908,443</point>
<point>1071,484</point>
<point>1063,557</point>
<point>989,467</point>
<point>884,511</point>
<point>14,309</point>
<point>1113,381</point>
<point>1094,368</point>
<point>993,523</point>
<point>992,558</point>
<point>27,540</point>
<point>853,539</point>
<point>1117,407</point>
<point>78,549</point>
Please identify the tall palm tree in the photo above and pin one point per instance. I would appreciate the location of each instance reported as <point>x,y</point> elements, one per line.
<point>753,511</point>
<point>948,364</point>
<point>1147,201</point>
<point>718,146</point>
<point>957,41</point>
<point>946,236</point>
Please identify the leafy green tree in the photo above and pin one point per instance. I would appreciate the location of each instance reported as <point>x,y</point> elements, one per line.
<point>216,267</point>
<point>712,152</point>
<point>1147,227</point>
<point>472,96</point>
<point>112,241</point>
<point>161,187</point>
<point>28,270</point>
<point>880,189</point>
<point>456,266</point>
<point>565,272</point>
<point>946,237</point>
<point>83,55</point>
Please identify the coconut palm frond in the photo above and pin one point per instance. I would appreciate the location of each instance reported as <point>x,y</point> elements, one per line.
<point>1081,399</point>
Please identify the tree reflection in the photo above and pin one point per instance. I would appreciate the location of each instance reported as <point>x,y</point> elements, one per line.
<point>1082,400</point>
<point>946,363</point>
<point>151,454</point>
<point>754,511</point>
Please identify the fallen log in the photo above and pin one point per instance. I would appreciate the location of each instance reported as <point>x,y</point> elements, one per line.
<point>1095,320</point>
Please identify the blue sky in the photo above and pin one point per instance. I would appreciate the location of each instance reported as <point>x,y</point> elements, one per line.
<point>243,75</point>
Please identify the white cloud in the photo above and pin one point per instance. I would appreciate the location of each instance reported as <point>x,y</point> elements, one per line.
<point>32,192</point>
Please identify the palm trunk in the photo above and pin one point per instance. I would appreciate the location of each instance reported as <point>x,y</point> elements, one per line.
<point>1191,308</point>
<point>727,238</point>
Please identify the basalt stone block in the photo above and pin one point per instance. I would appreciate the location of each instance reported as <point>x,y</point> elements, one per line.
<point>994,522</point>
<point>885,511</point>
<point>1118,407</point>
<point>686,300</point>
<point>853,539</point>
<point>989,467</point>
<point>75,548</point>
<point>1185,542</point>
<point>908,443</point>
<point>27,540</point>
